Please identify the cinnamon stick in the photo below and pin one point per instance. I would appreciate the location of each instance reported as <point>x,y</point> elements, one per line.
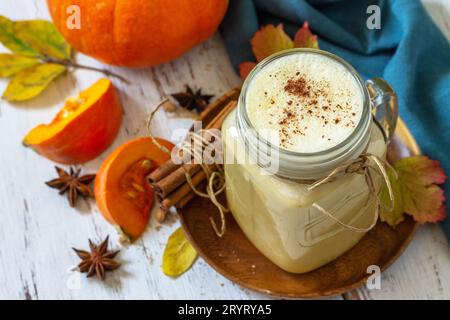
<point>178,176</point>
<point>161,214</point>
<point>169,182</point>
<point>191,195</point>
<point>162,171</point>
<point>182,191</point>
<point>206,116</point>
<point>166,185</point>
<point>217,122</point>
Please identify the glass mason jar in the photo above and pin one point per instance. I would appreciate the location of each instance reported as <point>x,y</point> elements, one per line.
<point>273,205</point>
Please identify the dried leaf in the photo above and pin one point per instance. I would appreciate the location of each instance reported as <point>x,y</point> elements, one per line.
<point>305,39</point>
<point>179,254</point>
<point>416,191</point>
<point>395,216</point>
<point>268,40</point>
<point>245,68</point>
<point>42,36</point>
<point>10,64</point>
<point>11,41</point>
<point>32,81</point>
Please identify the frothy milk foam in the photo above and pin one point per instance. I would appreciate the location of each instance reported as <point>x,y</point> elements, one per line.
<point>304,102</point>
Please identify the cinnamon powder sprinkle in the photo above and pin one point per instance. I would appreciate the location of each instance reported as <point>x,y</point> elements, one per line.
<point>311,100</point>
<point>298,87</point>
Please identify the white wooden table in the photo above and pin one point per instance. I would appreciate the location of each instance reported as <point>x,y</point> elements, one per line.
<point>38,228</point>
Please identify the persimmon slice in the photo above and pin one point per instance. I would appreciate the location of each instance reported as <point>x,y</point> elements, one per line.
<point>123,195</point>
<point>82,129</point>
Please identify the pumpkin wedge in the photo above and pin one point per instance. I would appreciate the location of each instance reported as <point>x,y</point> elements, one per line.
<point>122,192</point>
<point>82,129</point>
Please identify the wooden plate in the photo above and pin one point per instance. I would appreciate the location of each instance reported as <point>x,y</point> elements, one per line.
<point>236,258</point>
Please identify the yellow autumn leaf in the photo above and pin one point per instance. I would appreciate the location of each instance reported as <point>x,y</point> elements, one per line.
<point>31,82</point>
<point>416,191</point>
<point>269,40</point>
<point>42,36</point>
<point>179,254</point>
<point>10,40</point>
<point>397,214</point>
<point>10,64</point>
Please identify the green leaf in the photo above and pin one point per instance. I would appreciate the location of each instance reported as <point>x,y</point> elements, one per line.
<point>415,191</point>
<point>11,41</point>
<point>397,215</point>
<point>179,254</point>
<point>32,81</point>
<point>43,37</point>
<point>10,64</point>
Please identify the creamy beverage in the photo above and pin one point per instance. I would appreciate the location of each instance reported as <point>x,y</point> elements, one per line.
<point>305,102</point>
<point>311,101</point>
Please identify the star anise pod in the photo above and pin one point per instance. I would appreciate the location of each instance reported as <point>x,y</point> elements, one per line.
<point>98,261</point>
<point>73,184</point>
<point>191,99</point>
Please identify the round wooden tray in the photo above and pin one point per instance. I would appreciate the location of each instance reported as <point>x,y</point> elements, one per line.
<point>235,257</point>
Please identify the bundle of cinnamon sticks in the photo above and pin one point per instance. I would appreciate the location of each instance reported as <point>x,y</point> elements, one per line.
<point>169,180</point>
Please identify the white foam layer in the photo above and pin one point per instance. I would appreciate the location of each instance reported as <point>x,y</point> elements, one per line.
<point>304,102</point>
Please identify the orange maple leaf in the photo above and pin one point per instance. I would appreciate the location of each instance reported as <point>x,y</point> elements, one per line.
<point>270,39</point>
<point>305,39</point>
<point>245,68</point>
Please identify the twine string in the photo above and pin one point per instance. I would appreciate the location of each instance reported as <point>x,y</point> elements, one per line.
<point>215,178</point>
<point>361,165</point>
<point>149,122</point>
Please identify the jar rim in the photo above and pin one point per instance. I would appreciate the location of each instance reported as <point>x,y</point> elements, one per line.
<point>363,122</point>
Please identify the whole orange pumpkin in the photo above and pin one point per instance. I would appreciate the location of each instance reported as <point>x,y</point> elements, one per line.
<point>136,33</point>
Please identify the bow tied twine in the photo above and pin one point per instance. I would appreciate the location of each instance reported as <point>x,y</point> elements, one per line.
<point>361,165</point>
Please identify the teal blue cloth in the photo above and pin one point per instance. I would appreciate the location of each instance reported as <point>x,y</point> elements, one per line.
<point>408,51</point>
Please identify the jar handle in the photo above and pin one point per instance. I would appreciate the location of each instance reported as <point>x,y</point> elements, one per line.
<point>384,105</point>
